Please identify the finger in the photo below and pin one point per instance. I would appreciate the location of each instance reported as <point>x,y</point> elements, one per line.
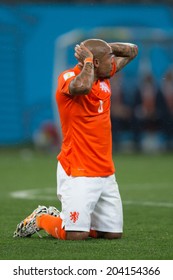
<point>76,55</point>
<point>77,47</point>
<point>84,47</point>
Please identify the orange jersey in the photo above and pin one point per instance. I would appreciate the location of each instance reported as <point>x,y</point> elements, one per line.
<point>86,128</point>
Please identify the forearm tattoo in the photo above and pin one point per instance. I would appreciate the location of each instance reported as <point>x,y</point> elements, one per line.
<point>82,83</point>
<point>124,49</point>
<point>124,53</point>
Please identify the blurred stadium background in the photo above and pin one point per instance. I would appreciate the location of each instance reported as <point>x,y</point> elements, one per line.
<point>37,41</point>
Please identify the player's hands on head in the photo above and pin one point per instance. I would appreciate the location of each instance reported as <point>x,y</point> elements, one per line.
<point>82,52</point>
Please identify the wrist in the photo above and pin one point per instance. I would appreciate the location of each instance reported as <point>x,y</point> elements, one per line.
<point>88,59</point>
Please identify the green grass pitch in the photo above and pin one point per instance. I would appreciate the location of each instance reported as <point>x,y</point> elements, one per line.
<point>28,178</point>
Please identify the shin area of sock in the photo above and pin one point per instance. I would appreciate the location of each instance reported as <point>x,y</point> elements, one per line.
<point>52,225</point>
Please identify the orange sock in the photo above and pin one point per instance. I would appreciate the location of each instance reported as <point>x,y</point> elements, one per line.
<point>93,233</point>
<point>52,225</point>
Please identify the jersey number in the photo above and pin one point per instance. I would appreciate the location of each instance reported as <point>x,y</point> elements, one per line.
<point>100,109</point>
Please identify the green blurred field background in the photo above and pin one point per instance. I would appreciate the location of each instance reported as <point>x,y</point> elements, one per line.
<point>28,178</point>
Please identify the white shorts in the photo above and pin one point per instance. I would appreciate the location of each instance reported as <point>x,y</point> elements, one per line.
<point>89,203</point>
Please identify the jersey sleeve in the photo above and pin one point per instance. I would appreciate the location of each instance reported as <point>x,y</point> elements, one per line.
<point>64,81</point>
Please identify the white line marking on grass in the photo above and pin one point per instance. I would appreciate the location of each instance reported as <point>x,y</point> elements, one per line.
<point>149,203</point>
<point>137,186</point>
<point>34,194</point>
<point>47,194</point>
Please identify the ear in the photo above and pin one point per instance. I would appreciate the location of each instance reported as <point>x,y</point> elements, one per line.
<point>96,62</point>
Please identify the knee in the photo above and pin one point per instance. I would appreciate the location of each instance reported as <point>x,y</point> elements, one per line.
<point>76,235</point>
<point>113,235</point>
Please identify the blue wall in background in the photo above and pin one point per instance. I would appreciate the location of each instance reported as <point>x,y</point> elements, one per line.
<point>27,39</point>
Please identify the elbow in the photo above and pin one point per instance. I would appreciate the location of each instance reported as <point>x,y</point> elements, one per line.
<point>81,91</point>
<point>86,89</point>
<point>135,50</point>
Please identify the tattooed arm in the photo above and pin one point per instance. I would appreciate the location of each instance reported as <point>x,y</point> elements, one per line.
<point>124,53</point>
<point>82,83</point>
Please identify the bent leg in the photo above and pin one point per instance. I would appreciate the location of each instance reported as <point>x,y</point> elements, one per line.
<point>53,226</point>
<point>78,196</point>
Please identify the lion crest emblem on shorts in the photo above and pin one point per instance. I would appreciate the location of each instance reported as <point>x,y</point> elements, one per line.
<point>74,216</point>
